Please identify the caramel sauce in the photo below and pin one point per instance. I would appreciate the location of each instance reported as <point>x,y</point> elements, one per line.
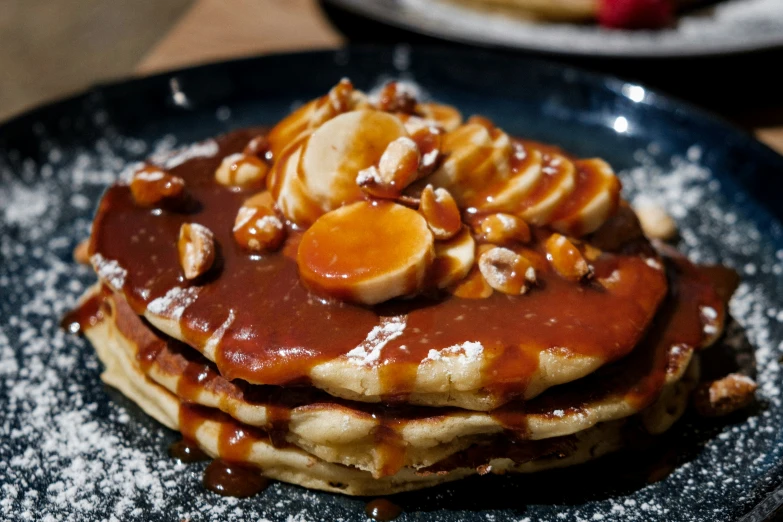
<point>188,451</point>
<point>638,378</point>
<point>233,480</point>
<point>297,332</point>
<point>229,474</point>
<point>382,509</point>
<point>87,314</point>
<point>390,447</point>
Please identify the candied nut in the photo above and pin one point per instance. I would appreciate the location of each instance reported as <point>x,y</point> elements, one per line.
<point>502,229</point>
<point>395,98</point>
<point>257,226</point>
<point>724,396</point>
<point>566,259</point>
<point>196,247</point>
<point>506,271</point>
<point>428,139</point>
<point>397,168</point>
<point>258,147</point>
<point>241,169</point>
<point>341,94</point>
<point>656,222</point>
<point>340,99</point>
<point>441,212</point>
<point>151,185</point>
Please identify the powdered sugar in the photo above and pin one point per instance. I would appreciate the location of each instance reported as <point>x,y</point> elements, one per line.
<point>110,271</point>
<point>369,351</point>
<point>469,351</point>
<point>168,158</point>
<point>173,304</point>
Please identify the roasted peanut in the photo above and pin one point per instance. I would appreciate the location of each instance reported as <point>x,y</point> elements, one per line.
<point>506,271</point>
<point>441,212</point>
<point>257,226</point>
<point>502,229</point>
<point>566,259</point>
<point>196,247</point>
<point>151,185</point>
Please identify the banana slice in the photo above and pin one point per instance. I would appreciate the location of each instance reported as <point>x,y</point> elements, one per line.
<point>366,252</point>
<point>340,148</point>
<point>453,259</point>
<point>341,98</point>
<point>475,160</point>
<point>288,189</point>
<point>511,194</point>
<point>444,116</point>
<point>560,174</point>
<point>594,200</point>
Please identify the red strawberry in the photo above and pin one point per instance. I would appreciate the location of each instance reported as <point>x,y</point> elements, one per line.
<point>635,14</point>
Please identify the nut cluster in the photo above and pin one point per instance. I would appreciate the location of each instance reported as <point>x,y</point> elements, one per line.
<point>477,190</point>
<point>152,185</point>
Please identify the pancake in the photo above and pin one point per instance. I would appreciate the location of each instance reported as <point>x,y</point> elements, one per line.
<point>221,436</point>
<point>360,353</point>
<point>347,432</point>
<point>375,296</point>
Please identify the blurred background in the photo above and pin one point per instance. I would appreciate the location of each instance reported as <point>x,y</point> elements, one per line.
<point>52,48</point>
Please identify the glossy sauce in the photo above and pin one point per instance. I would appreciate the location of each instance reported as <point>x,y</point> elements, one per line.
<point>188,451</point>
<point>233,480</point>
<point>87,314</point>
<point>638,379</point>
<point>298,332</point>
<point>229,474</point>
<point>382,509</point>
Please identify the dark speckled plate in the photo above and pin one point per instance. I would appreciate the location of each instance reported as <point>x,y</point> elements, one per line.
<point>73,449</point>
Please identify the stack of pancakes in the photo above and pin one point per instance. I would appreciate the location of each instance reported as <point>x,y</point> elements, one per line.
<point>542,331</point>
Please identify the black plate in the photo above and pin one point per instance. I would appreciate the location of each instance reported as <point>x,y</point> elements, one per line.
<point>73,449</point>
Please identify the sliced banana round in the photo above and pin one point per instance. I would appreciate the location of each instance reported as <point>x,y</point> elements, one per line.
<point>474,160</point>
<point>340,98</point>
<point>594,200</point>
<point>453,259</point>
<point>366,252</point>
<point>560,174</point>
<point>509,196</point>
<point>444,116</point>
<point>340,148</point>
<point>287,187</point>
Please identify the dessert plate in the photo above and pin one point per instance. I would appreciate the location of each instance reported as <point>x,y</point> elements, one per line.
<point>69,451</point>
<point>729,26</point>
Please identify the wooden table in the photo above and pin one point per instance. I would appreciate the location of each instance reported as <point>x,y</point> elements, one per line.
<point>221,29</point>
